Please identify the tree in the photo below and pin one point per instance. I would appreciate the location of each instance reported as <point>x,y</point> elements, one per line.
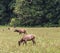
<point>30,12</point>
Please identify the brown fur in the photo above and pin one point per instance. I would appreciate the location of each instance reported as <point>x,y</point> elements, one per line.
<point>20,31</point>
<point>26,38</point>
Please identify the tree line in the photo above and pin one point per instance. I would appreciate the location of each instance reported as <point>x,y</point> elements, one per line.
<point>30,13</point>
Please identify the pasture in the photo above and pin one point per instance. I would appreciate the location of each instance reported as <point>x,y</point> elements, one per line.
<point>47,41</point>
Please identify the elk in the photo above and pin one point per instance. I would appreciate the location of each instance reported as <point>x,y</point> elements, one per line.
<point>27,37</point>
<point>20,31</point>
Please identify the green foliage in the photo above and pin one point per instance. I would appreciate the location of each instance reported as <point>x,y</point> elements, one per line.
<point>30,12</point>
<point>15,22</point>
<point>4,12</point>
<point>38,12</point>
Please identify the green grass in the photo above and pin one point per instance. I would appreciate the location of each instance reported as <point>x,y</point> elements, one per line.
<point>47,41</point>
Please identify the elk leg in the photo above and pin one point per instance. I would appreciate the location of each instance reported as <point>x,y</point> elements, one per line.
<point>19,33</point>
<point>25,42</point>
<point>33,41</point>
<point>19,43</point>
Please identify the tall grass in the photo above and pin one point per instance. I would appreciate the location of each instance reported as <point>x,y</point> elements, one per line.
<point>47,41</point>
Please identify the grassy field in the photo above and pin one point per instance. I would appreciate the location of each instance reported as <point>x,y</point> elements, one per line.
<point>47,41</point>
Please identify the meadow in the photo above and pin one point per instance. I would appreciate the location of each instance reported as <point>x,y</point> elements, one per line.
<point>47,40</point>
